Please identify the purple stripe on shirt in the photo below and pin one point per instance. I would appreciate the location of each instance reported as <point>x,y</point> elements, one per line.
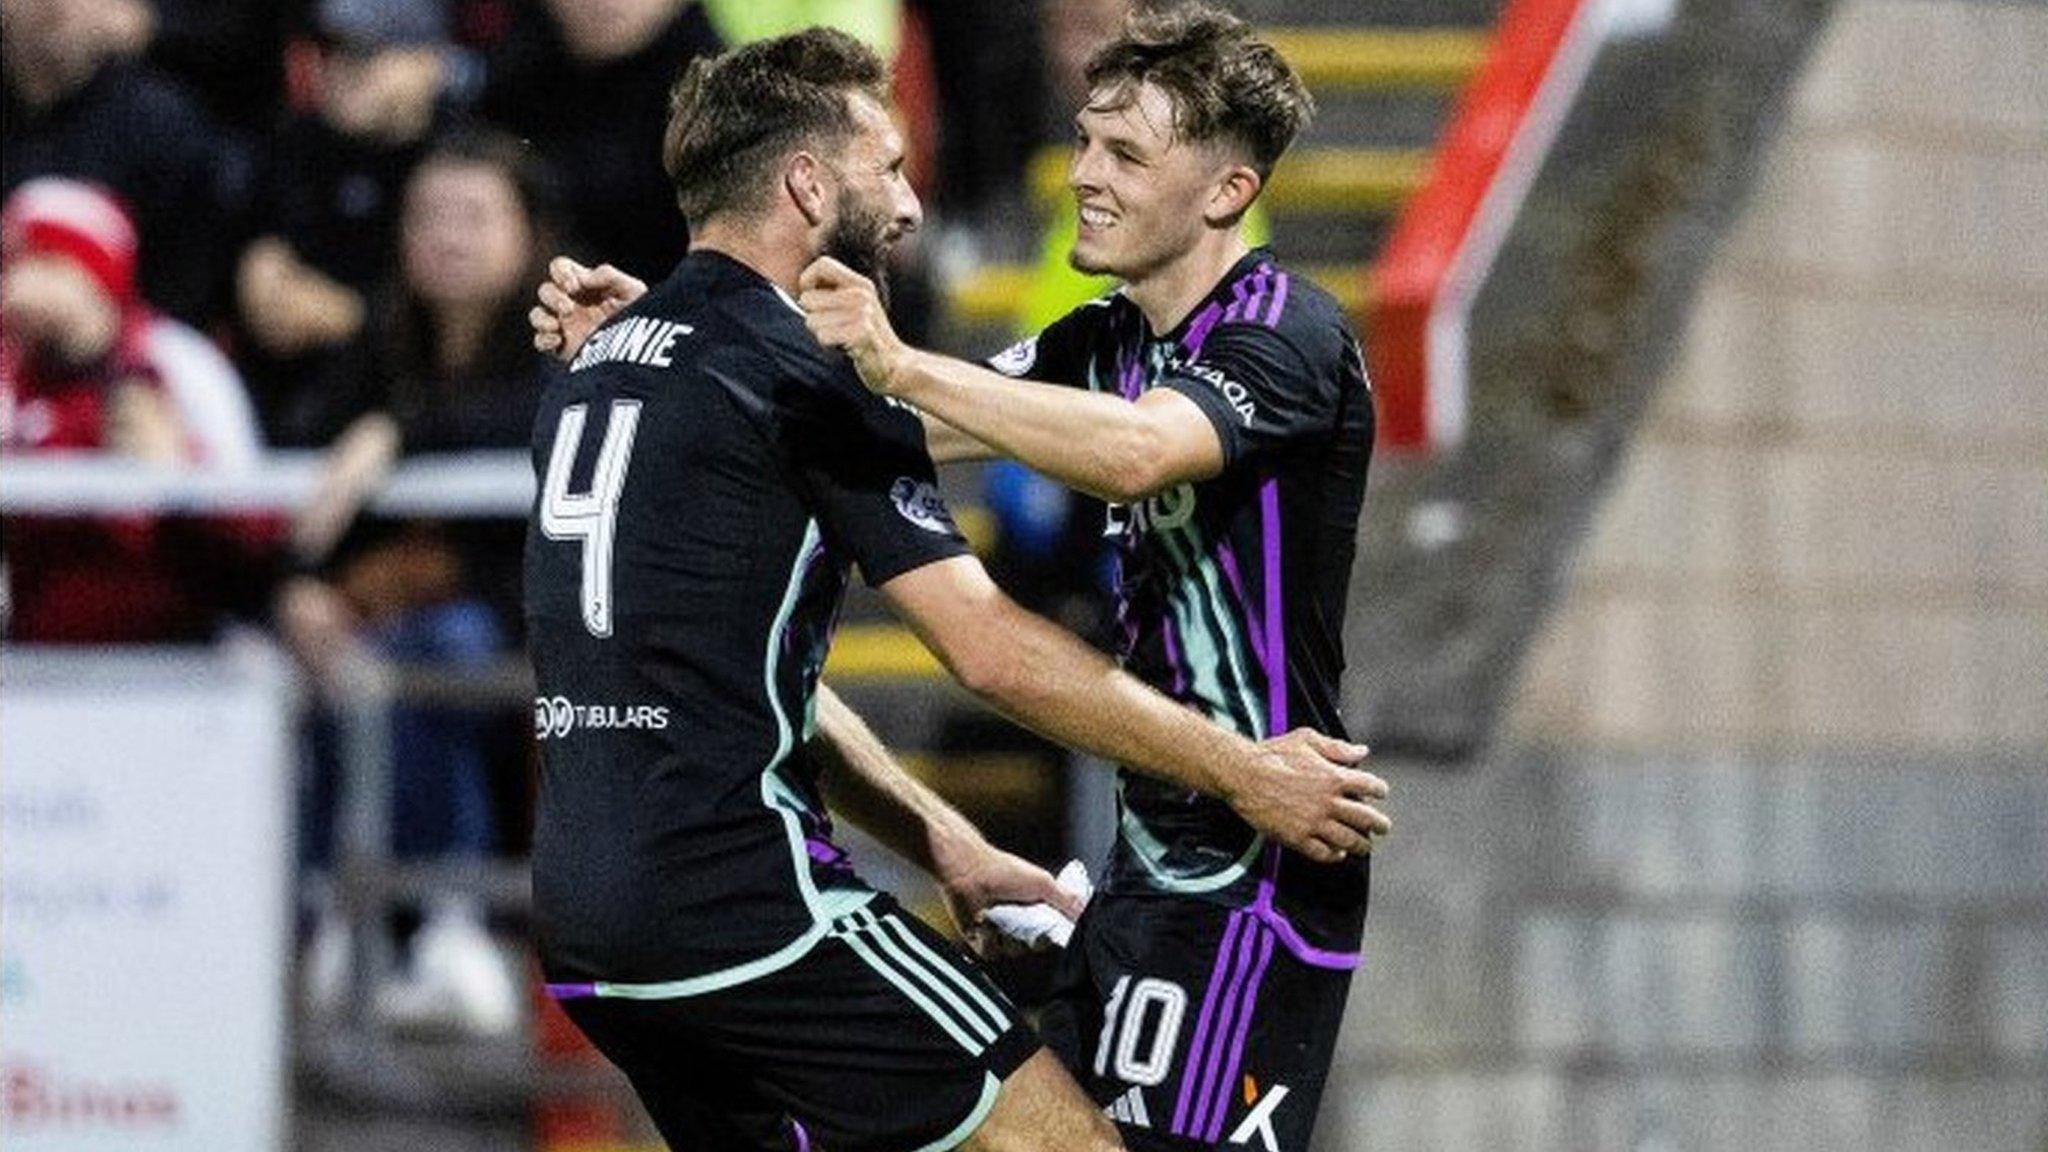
<point>1279,302</point>
<point>803,1138</point>
<point>824,851</point>
<point>1276,684</point>
<point>571,991</point>
<point>1130,381</point>
<point>1198,332</point>
<point>1244,1029</point>
<point>1259,280</point>
<point>1206,1019</point>
<point>1226,1023</point>
<point>1238,292</point>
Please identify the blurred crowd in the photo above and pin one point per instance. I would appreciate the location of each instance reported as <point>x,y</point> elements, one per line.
<point>315,224</point>
<point>237,225</point>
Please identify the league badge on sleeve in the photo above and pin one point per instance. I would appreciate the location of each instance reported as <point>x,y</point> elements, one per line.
<point>1017,359</point>
<point>919,502</point>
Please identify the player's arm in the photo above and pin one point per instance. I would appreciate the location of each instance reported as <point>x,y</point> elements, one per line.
<point>1103,445</point>
<point>949,445</point>
<point>1300,789</point>
<point>867,786</point>
<point>575,301</point>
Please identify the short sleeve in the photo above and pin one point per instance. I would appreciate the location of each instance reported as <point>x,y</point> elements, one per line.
<point>1258,389</point>
<point>864,471</point>
<point>1059,353</point>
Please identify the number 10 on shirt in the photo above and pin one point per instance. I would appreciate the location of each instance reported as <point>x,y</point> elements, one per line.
<point>588,518</point>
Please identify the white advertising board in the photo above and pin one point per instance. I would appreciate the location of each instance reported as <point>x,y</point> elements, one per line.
<point>145,859</point>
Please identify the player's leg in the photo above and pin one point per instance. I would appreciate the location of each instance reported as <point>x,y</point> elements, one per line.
<point>886,1036</point>
<point>695,1098</point>
<point>1041,1109</point>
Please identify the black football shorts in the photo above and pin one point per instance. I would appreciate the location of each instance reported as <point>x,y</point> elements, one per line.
<point>884,1037</point>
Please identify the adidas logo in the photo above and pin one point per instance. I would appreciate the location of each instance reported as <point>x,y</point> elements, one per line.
<point>1129,1108</point>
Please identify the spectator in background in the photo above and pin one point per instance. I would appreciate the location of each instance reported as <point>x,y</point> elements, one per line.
<point>87,367</point>
<point>327,208</point>
<point>77,106</point>
<point>451,368</point>
<point>589,85</point>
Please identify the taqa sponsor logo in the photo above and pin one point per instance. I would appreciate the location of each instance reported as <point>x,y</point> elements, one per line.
<point>1168,510</point>
<point>1235,394</point>
<point>33,1098</point>
<point>555,717</point>
<point>919,502</point>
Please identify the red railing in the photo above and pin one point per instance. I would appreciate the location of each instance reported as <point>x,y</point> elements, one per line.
<point>1445,238</point>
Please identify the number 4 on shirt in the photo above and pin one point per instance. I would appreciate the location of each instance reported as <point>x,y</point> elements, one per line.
<point>590,517</point>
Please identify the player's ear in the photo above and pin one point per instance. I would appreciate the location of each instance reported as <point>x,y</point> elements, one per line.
<point>1232,193</point>
<point>801,179</point>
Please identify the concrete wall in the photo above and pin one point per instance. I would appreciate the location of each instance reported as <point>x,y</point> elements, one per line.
<point>1762,862</point>
<point>1834,527</point>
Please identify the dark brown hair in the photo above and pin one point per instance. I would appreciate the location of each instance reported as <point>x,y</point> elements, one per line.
<point>732,117</point>
<point>1225,83</point>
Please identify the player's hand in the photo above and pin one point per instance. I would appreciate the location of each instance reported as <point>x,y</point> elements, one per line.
<point>575,301</point>
<point>992,876</point>
<point>1306,794</point>
<point>843,310</point>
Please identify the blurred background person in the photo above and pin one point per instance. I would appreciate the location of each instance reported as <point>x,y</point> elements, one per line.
<point>448,368</point>
<point>77,104</point>
<point>376,80</point>
<point>86,366</point>
<point>587,82</point>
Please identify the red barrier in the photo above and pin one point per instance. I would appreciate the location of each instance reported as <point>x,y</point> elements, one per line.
<point>1470,179</point>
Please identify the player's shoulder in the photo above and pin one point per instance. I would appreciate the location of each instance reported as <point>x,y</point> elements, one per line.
<point>1278,306</point>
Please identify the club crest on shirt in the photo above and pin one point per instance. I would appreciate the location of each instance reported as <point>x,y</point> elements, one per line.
<point>1017,359</point>
<point>919,502</point>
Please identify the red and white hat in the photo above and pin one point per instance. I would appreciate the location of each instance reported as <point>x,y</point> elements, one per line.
<point>72,218</point>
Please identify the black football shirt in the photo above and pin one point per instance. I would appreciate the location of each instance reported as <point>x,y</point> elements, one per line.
<point>708,476</point>
<point>1231,591</point>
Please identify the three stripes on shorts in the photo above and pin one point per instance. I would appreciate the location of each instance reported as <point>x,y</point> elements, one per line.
<point>1216,1055</point>
<point>924,974</point>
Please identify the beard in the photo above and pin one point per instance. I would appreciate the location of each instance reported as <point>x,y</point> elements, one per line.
<point>859,239</point>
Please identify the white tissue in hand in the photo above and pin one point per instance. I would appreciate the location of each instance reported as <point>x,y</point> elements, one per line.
<point>1029,924</point>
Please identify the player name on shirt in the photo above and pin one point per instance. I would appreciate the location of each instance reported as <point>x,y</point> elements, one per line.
<point>646,340</point>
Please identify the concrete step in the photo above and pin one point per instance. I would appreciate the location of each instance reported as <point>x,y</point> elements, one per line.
<point>1533,1107</point>
<point>1373,13</point>
<point>1349,58</point>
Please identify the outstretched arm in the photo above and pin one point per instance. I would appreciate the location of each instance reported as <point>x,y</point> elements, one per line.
<point>1300,788</point>
<point>869,788</point>
<point>1101,444</point>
